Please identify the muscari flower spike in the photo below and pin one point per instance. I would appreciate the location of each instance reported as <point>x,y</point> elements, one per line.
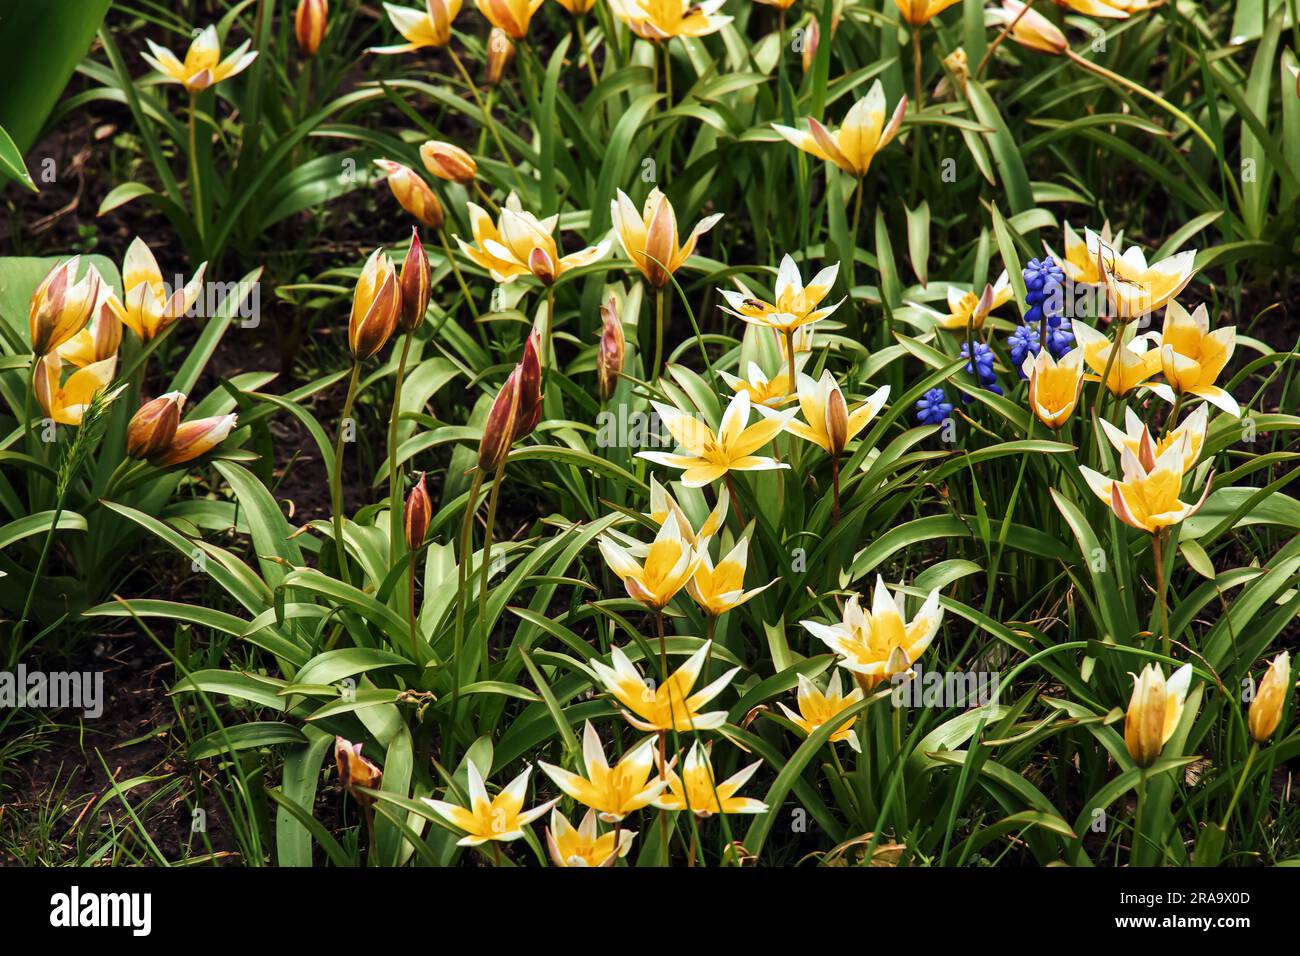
<point>933,408</point>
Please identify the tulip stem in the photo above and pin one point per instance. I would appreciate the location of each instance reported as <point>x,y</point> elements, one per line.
<point>835,485</point>
<point>550,327</point>
<point>462,580</point>
<point>916,66</point>
<point>1158,550</point>
<point>660,318</point>
<point>486,198</point>
<point>460,281</point>
<point>336,486</point>
<point>487,115</point>
<point>586,49</point>
<point>1241,783</point>
<point>790,389</point>
<point>37,571</point>
<point>498,479</point>
<point>396,537</point>
<point>196,189</point>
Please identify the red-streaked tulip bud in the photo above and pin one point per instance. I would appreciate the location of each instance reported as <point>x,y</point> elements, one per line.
<point>613,350</point>
<point>196,438</point>
<point>61,306</point>
<point>376,306</point>
<point>310,21</point>
<point>413,193</point>
<point>811,37</point>
<point>1030,28</point>
<point>1266,709</point>
<point>542,266</point>
<point>449,162</point>
<point>500,51</point>
<point>837,421</point>
<point>418,514</point>
<point>530,390</point>
<point>499,430</point>
<point>153,427</point>
<point>356,771</point>
<point>414,283</point>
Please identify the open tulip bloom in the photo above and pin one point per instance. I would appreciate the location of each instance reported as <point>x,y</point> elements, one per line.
<point>720,589</point>
<point>669,563</point>
<point>772,392</point>
<point>613,792</point>
<point>203,66</point>
<point>794,304</point>
<point>520,244</point>
<point>1135,288</point>
<point>501,818</point>
<point>966,310</point>
<point>583,846</point>
<point>1080,263</point>
<point>699,791</point>
<point>1192,357</point>
<point>1137,438</point>
<point>1132,365</point>
<point>145,307</point>
<point>671,705</point>
<point>878,644</point>
<point>66,402</point>
<point>1147,496</point>
<point>650,238</point>
<point>855,144</point>
<point>663,505</point>
<point>705,457</point>
<point>817,708</point>
<point>659,20</point>
<point>828,422</point>
<point>421,28</point>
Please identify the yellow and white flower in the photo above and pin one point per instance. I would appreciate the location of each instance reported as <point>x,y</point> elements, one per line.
<point>658,20</point>
<point>584,846</point>
<point>855,144</point>
<point>1054,387</point>
<point>613,792</point>
<point>816,708</point>
<point>1147,496</point>
<point>145,307</point>
<point>1154,711</point>
<point>698,790</point>
<point>671,705</point>
<point>501,818</point>
<point>1135,288</point>
<point>878,644</point>
<point>649,238</point>
<point>1133,364</point>
<point>720,589</point>
<point>203,66</point>
<point>421,28</point>
<point>1137,439</point>
<point>705,457</point>
<point>772,392</point>
<point>794,304</point>
<point>828,423</point>
<point>520,244</point>
<point>669,563</point>
<point>1192,357</point>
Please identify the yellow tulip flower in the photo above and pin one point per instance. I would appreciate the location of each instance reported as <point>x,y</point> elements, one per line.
<point>1146,497</point>
<point>1030,28</point>
<point>1080,260</point>
<point>657,20</point>
<point>196,438</point>
<point>968,310</point>
<point>501,818</point>
<point>1054,386</point>
<point>771,392</point>
<point>1135,288</point>
<point>1130,367</point>
<point>720,589</point>
<point>1137,439</point>
<point>613,792</point>
<point>920,12</point>
<point>1191,357</point>
<point>310,23</point>
<point>376,306</point>
<point>699,791</point>
<point>356,771</point>
<point>421,28</point>
<point>705,457</point>
<point>1266,709</point>
<point>412,193</point>
<point>650,239</point>
<point>510,16</point>
<point>816,708</point>
<point>856,143</point>
<point>669,564</point>
<point>145,307</point>
<point>448,161</point>
<point>663,505</point>
<point>61,306</point>
<point>671,705</point>
<point>97,341</point>
<point>203,66</point>
<point>66,403</point>
<point>577,7</point>
<point>779,4</point>
<point>583,846</point>
<point>1154,711</point>
<point>794,304</point>
<point>828,423</point>
<point>520,244</point>
<point>877,645</point>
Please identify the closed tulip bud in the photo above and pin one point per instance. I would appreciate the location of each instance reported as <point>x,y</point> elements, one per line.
<point>310,22</point>
<point>1266,709</point>
<point>414,284</point>
<point>1030,28</point>
<point>153,427</point>
<point>61,306</point>
<point>499,54</point>
<point>448,162</point>
<point>356,771</point>
<point>612,351</point>
<point>542,266</point>
<point>498,431</point>
<point>413,193</point>
<point>811,37</point>
<point>196,438</point>
<point>837,421</point>
<point>419,511</point>
<point>530,390</point>
<point>1154,711</point>
<point>376,307</point>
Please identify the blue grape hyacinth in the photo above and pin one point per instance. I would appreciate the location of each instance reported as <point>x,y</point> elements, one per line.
<point>933,408</point>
